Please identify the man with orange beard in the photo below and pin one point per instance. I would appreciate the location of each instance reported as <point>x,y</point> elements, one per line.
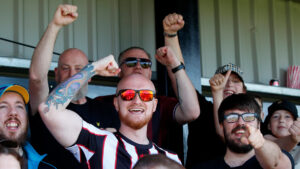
<point>135,102</point>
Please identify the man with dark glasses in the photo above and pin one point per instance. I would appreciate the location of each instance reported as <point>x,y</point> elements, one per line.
<point>14,125</point>
<point>135,102</point>
<point>239,119</point>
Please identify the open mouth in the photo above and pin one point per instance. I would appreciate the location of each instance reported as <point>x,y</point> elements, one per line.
<point>12,125</point>
<point>136,110</point>
<point>228,92</point>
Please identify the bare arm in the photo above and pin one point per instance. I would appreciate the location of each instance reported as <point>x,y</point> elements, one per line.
<point>172,23</point>
<point>217,84</point>
<point>42,56</point>
<point>267,152</point>
<point>188,109</point>
<point>64,124</point>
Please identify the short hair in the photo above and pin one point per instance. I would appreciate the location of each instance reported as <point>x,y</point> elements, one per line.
<point>157,160</point>
<point>243,102</point>
<point>10,151</point>
<point>132,48</point>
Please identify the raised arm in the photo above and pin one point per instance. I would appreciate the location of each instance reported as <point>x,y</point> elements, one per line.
<point>188,109</point>
<point>267,152</point>
<point>288,142</point>
<point>42,56</point>
<point>172,23</point>
<point>217,84</point>
<point>64,124</point>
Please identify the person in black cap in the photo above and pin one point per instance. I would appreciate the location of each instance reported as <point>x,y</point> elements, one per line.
<point>282,126</point>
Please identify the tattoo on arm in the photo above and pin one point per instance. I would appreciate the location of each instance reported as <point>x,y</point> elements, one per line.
<point>66,90</point>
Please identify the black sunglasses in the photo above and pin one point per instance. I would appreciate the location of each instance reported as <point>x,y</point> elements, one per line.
<point>132,62</point>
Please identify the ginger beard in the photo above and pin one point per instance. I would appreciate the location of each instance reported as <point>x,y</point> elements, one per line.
<point>135,122</point>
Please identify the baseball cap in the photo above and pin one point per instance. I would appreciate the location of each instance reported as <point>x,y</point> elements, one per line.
<point>234,69</point>
<point>15,88</point>
<point>281,105</point>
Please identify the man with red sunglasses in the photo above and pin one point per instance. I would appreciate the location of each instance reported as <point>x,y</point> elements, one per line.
<point>135,102</point>
<point>165,128</point>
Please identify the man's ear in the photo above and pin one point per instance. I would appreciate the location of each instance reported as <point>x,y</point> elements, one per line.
<point>262,115</point>
<point>116,104</point>
<point>56,74</point>
<point>154,104</point>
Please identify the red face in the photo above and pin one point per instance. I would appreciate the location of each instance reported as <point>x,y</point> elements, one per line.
<point>135,113</point>
<point>13,117</point>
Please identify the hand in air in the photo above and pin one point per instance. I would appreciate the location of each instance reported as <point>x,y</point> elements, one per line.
<point>64,15</point>
<point>107,66</point>
<point>173,23</point>
<point>254,137</point>
<point>167,57</point>
<point>218,81</point>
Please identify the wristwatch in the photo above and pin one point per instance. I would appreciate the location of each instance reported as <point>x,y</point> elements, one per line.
<point>181,66</point>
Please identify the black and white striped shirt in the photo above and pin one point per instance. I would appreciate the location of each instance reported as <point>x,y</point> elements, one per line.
<point>101,149</point>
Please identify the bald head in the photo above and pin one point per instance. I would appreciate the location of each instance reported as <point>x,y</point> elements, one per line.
<point>70,62</point>
<point>73,52</point>
<point>135,81</point>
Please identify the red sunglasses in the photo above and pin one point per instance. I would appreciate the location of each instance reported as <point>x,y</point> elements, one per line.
<point>129,94</point>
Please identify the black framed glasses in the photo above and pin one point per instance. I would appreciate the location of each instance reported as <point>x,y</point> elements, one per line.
<point>247,117</point>
<point>132,62</point>
<point>8,143</point>
<point>129,94</point>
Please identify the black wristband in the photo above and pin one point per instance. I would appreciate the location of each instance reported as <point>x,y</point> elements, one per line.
<point>181,66</point>
<point>170,35</point>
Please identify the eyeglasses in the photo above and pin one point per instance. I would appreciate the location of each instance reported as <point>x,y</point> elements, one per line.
<point>132,62</point>
<point>8,143</point>
<point>247,117</point>
<point>129,94</point>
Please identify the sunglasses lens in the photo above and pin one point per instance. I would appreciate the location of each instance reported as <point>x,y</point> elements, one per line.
<point>128,95</point>
<point>131,63</point>
<point>232,118</point>
<point>146,95</point>
<point>145,63</point>
<point>249,117</point>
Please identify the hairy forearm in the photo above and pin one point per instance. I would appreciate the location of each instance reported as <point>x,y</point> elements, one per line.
<point>270,156</point>
<point>61,96</point>
<point>42,56</point>
<point>39,67</point>
<point>286,143</point>
<point>217,100</point>
<point>173,42</point>
<point>187,98</point>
